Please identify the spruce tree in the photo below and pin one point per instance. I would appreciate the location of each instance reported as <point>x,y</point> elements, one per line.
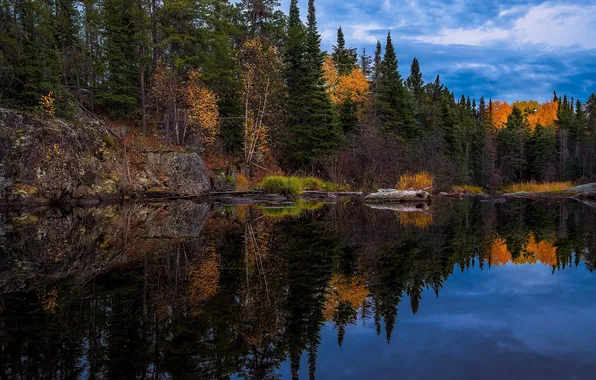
<point>365,63</point>
<point>393,109</point>
<point>542,153</point>
<point>414,84</point>
<point>119,93</point>
<point>343,58</point>
<point>311,119</point>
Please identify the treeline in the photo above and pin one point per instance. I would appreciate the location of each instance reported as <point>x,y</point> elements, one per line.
<point>248,80</point>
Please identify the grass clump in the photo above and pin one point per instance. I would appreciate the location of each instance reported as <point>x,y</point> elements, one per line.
<point>418,181</point>
<point>311,183</point>
<point>281,185</point>
<point>467,189</point>
<point>295,185</point>
<point>535,187</point>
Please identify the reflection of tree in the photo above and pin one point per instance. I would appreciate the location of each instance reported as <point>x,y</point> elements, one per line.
<point>254,291</point>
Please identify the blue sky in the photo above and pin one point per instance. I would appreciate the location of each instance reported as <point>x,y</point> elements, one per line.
<point>508,50</point>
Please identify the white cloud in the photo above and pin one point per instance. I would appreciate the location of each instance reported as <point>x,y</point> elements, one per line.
<point>548,25</point>
<point>472,37</point>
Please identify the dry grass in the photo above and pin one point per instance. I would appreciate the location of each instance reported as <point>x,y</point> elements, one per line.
<point>418,181</point>
<point>535,187</point>
<point>420,220</point>
<point>467,189</point>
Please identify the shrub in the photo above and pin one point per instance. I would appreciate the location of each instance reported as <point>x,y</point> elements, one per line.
<point>281,185</point>
<point>468,189</point>
<point>242,183</point>
<point>419,181</point>
<point>534,187</point>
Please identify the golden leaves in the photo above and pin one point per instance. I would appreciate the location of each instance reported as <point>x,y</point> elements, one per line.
<point>500,112</point>
<point>341,289</point>
<point>203,279</point>
<point>203,112</point>
<point>544,114</point>
<point>543,251</point>
<point>47,104</point>
<point>353,86</point>
<point>261,82</point>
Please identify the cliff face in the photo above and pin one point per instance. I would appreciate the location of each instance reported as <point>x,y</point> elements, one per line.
<point>48,160</point>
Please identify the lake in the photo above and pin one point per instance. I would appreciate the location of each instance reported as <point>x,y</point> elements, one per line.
<point>463,289</point>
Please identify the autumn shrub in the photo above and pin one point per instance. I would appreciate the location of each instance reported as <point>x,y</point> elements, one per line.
<point>535,187</point>
<point>281,185</point>
<point>418,181</point>
<point>242,183</point>
<point>468,189</point>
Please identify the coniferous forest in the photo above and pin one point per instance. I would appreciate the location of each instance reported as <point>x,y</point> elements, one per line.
<point>249,81</point>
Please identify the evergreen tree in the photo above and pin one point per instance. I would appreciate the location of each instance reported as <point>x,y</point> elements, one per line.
<point>365,63</point>
<point>414,84</point>
<point>512,142</point>
<point>542,153</point>
<point>312,122</point>
<point>393,109</point>
<point>119,93</point>
<point>343,58</point>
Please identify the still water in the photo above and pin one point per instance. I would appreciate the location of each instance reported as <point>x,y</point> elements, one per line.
<point>465,289</point>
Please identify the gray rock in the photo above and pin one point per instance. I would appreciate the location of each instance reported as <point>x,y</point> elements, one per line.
<point>390,195</point>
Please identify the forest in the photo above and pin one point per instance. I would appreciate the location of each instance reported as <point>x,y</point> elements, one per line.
<point>247,83</point>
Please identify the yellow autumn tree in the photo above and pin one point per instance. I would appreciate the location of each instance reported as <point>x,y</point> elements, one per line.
<point>545,115</point>
<point>500,112</point>
<point>203,112</point>
<point>353,86</point>
<point>260,70</point>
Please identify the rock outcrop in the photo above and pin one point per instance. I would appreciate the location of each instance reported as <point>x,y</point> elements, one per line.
<point>45,160</point>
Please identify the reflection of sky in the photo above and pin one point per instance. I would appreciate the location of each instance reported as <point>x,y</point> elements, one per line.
<point>517,321</point>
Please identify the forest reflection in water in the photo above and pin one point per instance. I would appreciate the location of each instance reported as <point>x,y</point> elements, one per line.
<point>179,290</point>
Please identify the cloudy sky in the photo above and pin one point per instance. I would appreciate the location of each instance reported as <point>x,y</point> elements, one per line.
<point>507,50</point>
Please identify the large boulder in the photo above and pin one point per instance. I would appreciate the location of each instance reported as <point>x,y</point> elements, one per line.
<point>45,159</point>
<point>185,172</point>
<point>391,195</point>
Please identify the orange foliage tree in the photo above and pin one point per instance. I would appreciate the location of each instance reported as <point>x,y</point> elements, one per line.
<point>353,86</point>
<point>544,114</point>
<point>500,112</point>
<point>260,69</point>
<point>185,105</point>
<point>203,112</point>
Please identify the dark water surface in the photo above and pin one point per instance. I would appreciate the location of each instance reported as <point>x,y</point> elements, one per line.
<point>465,289</point>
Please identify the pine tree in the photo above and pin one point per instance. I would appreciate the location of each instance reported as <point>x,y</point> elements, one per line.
<point>343,58</point>
<point>393,109</point>
<point>414,84</point>
<point>365,63</point>
<point>512,146</point>
<point>542,153</point>
<point>119,94</point>
<point>311,119</point>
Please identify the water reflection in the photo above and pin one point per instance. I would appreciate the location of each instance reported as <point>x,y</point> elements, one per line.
<point>179,290</point>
